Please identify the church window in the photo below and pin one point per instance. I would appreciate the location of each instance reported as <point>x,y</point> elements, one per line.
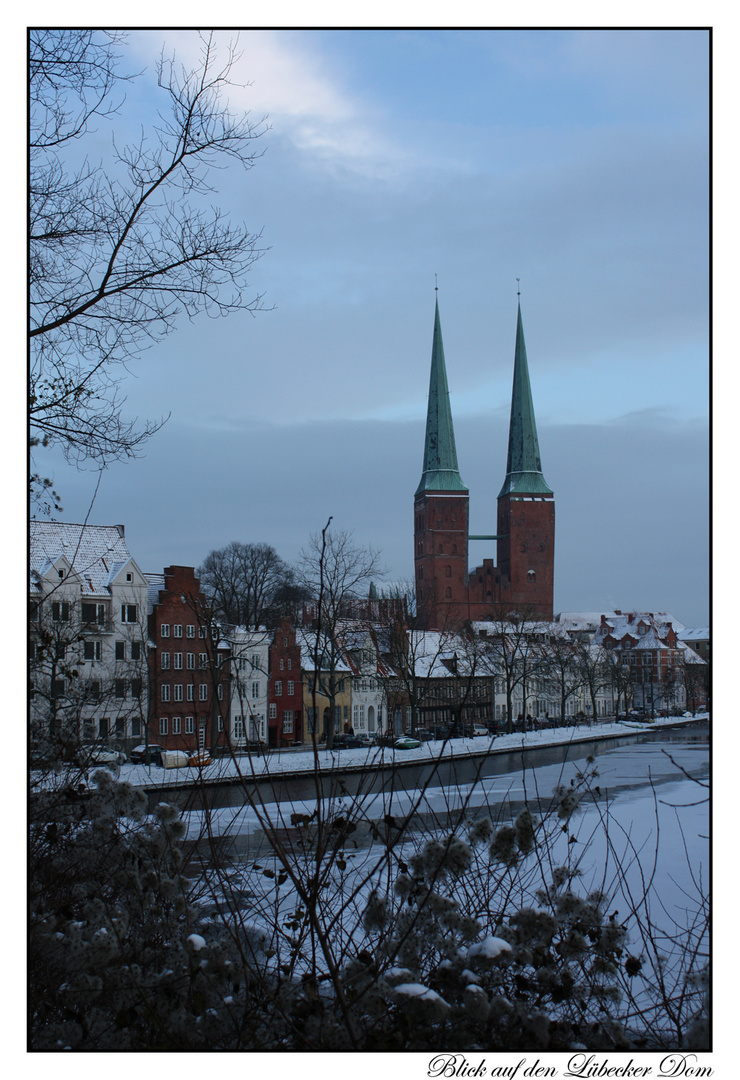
<point>531,575</point>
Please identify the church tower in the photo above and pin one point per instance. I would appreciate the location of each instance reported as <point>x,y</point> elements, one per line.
<point>526,508</point>
<point>440,510</point>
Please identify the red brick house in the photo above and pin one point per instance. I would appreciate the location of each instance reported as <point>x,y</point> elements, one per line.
<point>284,688</point>
<point>188,695</point>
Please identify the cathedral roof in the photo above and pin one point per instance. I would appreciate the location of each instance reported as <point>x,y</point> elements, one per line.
<point>440,471</point>
<point>523,467</point>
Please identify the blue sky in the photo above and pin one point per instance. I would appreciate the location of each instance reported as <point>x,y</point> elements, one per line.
<point>576,161</point>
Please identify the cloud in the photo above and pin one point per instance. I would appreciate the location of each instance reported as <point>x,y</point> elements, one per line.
<point>283,75</point>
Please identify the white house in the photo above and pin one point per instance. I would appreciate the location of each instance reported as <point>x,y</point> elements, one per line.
<point>88,633</point>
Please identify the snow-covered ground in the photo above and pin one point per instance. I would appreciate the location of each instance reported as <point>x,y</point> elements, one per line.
<point>276,762</point>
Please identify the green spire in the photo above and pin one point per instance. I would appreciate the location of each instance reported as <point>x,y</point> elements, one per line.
<point>523,468</point>
<point>440,456</point>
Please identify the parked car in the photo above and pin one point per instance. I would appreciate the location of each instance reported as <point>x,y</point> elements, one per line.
<point>139,754</point>
<point>478,729</point>
<point>91,756</point>
<point>424,736</point>
<point>385,740</point>
<point>200,758</point>
<point>350,742</point>
<point>406,743</point>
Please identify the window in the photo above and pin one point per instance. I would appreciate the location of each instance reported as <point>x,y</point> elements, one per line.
<point>201,631</point>
<point>290,664</point>
<point>291,688</point>
<point>103,727</point>
<point>287,721</point>
<point>282,664</point>
<point>136,688</point>
<point>531,575</point>
<point>93,690</point>
<point>278,688</point>
<point>163,725</point>
<point>190,693</point>
<point>202,660</point>
<point>189,725</point>
<point>176,725</point>
<point>136,728</point>
<point>120,650</point>
<point>93,613</point>
<point>178,692</point>
<point>190,631</point>
<point>57,688</point>
<point>60,652</point>
<point>220,723</point>
<point>255,662</point>
<point>165,692</point>
<point>191,661</point>
<point>220,691</point>
<point>177,661</point>
<point>119,688</point>
<point>177,630</point>
<point>273,711</point>
<point>164,661</point>
<point>128,613</point>
<point>93,650</point>
<point>238,727</point>
<point>164,630</point>
<point>60,612</point>
<point>255,689</point>
<point>203,692</point>
<point>129,577</point>
<point>136,650</point>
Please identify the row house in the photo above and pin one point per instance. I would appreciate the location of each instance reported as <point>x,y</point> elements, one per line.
<point>249,679</point>
<point>327,683</point>
<point>659,664</point>
<point>88,634</point>
<point>189,701</point>
<point>369,679</point>
<point>286,694</point>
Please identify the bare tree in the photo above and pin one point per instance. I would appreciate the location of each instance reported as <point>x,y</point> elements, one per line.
<point>559,655</point>
<point>249,584</point>
<point>336,572</point>
<point>121,248</point>
<point>508,653</point>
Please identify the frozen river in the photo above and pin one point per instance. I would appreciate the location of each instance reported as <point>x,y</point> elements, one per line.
<point>654,782</point>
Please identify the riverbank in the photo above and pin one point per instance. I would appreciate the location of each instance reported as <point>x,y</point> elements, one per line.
<point>276,763</point>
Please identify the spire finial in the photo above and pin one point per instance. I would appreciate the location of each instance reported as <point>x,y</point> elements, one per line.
<point>517,287</point>
<point>435,283</point>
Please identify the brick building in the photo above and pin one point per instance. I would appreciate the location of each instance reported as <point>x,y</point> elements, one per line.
<point>188,682</point>
<point>447,592</point>
<point>284,688</point>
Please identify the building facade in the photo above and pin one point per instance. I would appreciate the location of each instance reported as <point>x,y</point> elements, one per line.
<point>189,700</point>
<point>88,635</point>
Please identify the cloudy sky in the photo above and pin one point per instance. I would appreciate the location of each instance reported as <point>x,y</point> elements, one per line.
<point>576,161</point>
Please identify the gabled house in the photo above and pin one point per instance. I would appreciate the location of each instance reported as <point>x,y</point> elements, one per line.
<point>88,634</point>
<point>189,700</point>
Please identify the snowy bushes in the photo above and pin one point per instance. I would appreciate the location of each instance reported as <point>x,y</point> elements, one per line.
<point>343,931</point>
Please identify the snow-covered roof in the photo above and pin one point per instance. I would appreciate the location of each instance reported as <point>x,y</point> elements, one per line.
<point>96,553</point>
<point>306,641</point>
<point>156,582</point>
<point>695,633</point>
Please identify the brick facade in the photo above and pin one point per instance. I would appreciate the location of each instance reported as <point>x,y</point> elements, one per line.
<point>189,690</point>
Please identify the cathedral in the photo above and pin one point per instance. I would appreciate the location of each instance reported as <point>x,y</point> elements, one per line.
<point>521,579</point>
